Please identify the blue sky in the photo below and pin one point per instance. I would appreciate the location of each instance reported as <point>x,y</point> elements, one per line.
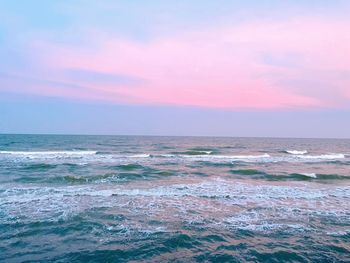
<point>57,116</point>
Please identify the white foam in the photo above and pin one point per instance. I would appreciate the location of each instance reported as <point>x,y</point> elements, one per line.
<point>296,152</point>
<point>47,154</point>
<point>44,153</point>
<point>312,175</point>
<point>257,158</point>
<point>234,157</point>
<point>338,233</point>
<point>143,155</point>
<point>169,155</point>
<point>323,156</point>
<point>206,152</point>
<point>93,156</point>
<point>218,203</point>
<point>68,154</point>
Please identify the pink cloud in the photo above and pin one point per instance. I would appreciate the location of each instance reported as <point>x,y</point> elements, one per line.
<point>217,67</point>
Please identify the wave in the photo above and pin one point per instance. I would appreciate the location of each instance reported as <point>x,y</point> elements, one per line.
<point>115,174</point>
<point>305,176</point>
<point>323,156</point>
<point>69,154</point>
<point>110,177</point>
<point>311,175</point>
<point>76,179</point>
<point>214,188</point>
<point>186,154</point>
<point>296,152</point>
<point>39,166</point>
<point>128,167</point>
<point>142,155</point>
<point>257,174</point>
<point>193,152</point>
<point>47,153</point>
<point>233,157</point>
<point>247,172</point>
<point>196,156</point>
<point>264,158</point>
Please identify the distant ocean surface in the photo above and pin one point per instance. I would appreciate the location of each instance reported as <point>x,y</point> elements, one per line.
<point>177,199</point>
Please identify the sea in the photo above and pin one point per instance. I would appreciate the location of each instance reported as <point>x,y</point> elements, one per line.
<point>70,198</point>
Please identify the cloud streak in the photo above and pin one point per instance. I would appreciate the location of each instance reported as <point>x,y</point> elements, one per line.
<point>298,62</point>
<point>222,67</point>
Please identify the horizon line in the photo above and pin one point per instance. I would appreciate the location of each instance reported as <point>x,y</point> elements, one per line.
<point>202,136</point>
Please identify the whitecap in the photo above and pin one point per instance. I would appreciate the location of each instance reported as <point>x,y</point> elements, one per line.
<point>46,154</point>
<point>311,175</point>
<point>323,156</point>
<point>237,157</point>
<point>142,155</point>
<point>296,152</point>
<point>205,152</point>
<point>43,153</point>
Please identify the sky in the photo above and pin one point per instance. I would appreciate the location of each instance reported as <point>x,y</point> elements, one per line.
<point>266,68</point>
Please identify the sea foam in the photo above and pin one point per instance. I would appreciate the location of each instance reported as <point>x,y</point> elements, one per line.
<point>311,175</point>
<point>323,156</point>
<point>296,152</point>
<point>44,153</point>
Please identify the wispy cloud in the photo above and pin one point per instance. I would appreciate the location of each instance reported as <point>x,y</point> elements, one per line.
<point>224,67</point>
<point>296,61</point>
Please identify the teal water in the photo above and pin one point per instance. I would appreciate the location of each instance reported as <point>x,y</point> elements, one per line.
<point>177,199</point>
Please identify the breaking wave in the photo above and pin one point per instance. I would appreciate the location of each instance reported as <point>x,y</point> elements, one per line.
<point>192,152</point>
<point>205,156</point>
<point>323,156</point>
<point>47,154</point>
<point>296,152</point>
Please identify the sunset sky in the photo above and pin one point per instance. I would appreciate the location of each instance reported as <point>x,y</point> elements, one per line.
<point>181,67</point>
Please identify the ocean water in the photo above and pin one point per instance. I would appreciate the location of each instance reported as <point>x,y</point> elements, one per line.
<point>177,199</point>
